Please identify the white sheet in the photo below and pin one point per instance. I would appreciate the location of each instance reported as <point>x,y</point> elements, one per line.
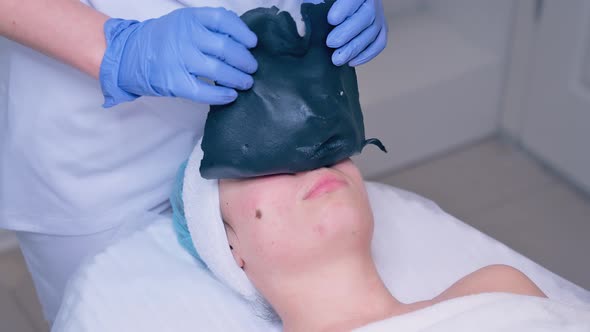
<point>148,283</point>
<point>490,313</point>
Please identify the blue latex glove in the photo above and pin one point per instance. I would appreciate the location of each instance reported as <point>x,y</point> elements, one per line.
<point>361,32</point>
<point>166,56</point>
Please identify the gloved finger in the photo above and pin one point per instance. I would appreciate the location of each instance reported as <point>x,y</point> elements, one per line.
<point>372,50</point>
<point>192,88</point>
<point>356,46</point>
<point>342,9</point>
<point>227,22</point>
<point>220,72</point>
<point>228,50</point>
<point>352,26</point>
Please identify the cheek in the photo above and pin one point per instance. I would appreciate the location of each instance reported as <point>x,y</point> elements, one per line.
<point>268,239</point>
<point>342,218</point>
<point>352,172</point>
<point>271,250</point>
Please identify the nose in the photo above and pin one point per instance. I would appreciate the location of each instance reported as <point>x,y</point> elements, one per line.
<point>341,162</point>
<point>334,166</point>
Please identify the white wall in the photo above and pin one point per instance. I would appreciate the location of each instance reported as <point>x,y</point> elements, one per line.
<point>397,8</point>
<point>7,240</point>
<point>439,83</point>
<point>3,84</point>
<point>586,62</point>
<point>485,23</point>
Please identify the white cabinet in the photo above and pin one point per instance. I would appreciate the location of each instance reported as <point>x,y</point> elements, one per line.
<point>556,124</point>
<point>548,109</point>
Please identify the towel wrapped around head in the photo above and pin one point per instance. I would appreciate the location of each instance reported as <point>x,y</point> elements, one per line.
<point>200,229</point>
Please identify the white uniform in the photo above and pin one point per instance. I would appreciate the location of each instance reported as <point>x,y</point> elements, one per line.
<point>74,176</point>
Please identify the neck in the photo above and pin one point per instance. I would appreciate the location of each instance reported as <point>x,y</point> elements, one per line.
<point>340,296</point>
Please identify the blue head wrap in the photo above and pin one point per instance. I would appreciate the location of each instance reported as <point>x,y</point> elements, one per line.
<point>178,218</point>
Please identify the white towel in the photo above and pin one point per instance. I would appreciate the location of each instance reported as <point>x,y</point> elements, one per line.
<point>489,313</point>
<point>203,216</point>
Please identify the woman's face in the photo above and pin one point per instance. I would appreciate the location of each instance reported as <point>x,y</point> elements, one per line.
<point>284,224</point>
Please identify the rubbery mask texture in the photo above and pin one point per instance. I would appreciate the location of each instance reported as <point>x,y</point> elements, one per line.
<point>302,113</point>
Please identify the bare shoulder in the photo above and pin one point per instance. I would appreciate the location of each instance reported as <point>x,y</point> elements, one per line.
<point>491,279</point>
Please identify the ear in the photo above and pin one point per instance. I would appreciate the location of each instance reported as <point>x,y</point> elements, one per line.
<point>234,245</point>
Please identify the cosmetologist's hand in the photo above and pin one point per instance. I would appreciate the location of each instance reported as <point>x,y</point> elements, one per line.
<point>167,56</point>
<point>360,33</point>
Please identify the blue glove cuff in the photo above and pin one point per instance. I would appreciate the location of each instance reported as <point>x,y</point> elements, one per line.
<point>116,32</point>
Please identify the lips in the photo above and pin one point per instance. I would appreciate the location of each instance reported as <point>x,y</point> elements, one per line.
<point>324,184</point>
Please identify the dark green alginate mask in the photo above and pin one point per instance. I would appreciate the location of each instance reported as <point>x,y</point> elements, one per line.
<point>302,113</point>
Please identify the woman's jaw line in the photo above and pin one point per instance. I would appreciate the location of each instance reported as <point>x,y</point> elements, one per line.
<point>349,287</point>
